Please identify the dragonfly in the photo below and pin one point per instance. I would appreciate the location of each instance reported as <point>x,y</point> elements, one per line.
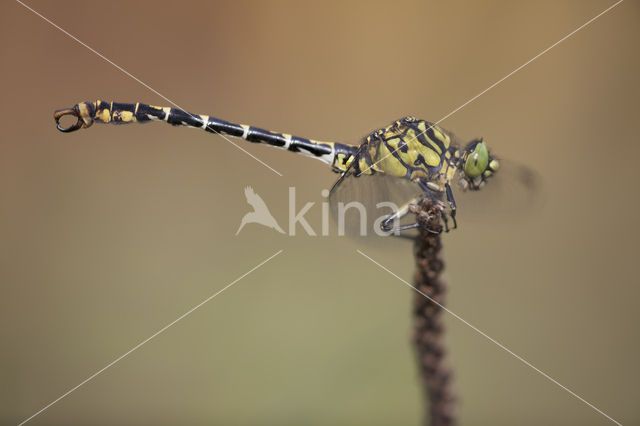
<point>409,151</point>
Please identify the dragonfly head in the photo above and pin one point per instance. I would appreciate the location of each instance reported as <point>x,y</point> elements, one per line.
<point>477,165</point>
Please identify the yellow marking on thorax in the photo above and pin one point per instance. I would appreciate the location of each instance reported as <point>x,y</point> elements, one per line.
<point>431,157</point>
<point>442,135</point>
<point>384,159</point>
<point>439,134</point>
<point>422,126</point>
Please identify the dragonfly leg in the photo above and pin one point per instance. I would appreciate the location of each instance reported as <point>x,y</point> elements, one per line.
<point>401,227</point>
<point>445,220</point>
<point>387,225</point>
<point>452,205</point>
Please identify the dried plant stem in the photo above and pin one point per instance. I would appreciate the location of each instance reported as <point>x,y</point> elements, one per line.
<point>429,328</point>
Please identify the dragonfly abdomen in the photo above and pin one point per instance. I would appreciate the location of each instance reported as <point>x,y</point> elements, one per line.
<point>332,153</point>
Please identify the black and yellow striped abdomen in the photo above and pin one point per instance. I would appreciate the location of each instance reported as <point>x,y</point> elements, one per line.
<point>124,113</point>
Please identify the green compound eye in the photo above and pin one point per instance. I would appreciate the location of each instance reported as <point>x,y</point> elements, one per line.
<point>477,161</point>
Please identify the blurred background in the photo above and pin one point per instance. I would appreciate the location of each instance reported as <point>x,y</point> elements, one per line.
<point>110,233</point>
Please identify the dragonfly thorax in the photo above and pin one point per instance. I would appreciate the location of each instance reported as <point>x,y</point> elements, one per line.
<point>408,148</point>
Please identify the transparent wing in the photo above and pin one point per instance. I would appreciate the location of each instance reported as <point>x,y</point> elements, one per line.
<point>516,191</point>
<point>359,203</point>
